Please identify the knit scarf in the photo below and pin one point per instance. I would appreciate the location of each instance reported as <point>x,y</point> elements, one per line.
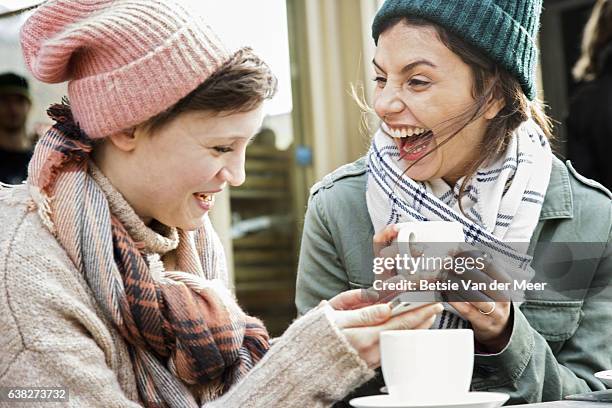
<point>503,199</point>
<point>183,330</point>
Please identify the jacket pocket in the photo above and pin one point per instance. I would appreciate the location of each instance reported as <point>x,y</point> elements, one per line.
<point>554,320</point>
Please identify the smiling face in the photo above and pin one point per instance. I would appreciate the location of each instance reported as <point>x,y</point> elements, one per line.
<point>423,93</point>
<point>173,174</point>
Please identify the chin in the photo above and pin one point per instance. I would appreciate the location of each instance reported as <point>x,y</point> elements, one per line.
<point>419,177</point>
<point>423,171</point>
<point>186,222</point>
<point>191,225</point>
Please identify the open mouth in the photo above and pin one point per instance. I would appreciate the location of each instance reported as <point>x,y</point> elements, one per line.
<point>412,141</point>
<point>205,198</point>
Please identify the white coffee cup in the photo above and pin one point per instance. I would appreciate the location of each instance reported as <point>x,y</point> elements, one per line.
<point>423,365</point>
<point>435,240</point>
<point>430,231</point>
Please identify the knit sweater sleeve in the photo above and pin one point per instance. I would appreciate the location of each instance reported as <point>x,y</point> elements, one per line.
<point>310,365</point>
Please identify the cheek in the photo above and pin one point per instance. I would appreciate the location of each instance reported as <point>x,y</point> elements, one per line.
<point>194,177</point>
<point>162,175</point>
<point>204,171</point>
<point>455,151</point>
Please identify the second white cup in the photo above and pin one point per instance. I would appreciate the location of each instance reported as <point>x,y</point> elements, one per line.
<point>425,365</point>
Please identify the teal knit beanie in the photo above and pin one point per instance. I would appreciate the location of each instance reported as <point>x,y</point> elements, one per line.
<point>505,30</point>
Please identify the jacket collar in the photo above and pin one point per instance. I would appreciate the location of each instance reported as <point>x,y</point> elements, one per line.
<point>558,202</point>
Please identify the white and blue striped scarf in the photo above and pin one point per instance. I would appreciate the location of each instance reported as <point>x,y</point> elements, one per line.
<point>503,199</point>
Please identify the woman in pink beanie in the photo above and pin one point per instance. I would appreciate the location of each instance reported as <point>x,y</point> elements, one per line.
<point>112,278</point>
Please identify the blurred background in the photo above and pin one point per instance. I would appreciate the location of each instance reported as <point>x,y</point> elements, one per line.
<point>317,48</point>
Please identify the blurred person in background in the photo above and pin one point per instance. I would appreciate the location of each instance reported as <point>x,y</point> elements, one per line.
<point>15,143</point>
<point>589,121</point>
<point>113,278</point>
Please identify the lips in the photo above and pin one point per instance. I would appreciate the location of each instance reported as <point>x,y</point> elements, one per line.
<point>205,200</point>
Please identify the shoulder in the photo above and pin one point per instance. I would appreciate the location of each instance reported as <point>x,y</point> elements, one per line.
<point>23,236</point>
<point>587,189</point>
<point>598,88</point>
<point>350,177</point>
<point>341,193</point>
<point>568,190</point>
<point>591,103</point>
<point>584,205</point>
<point>42,293</point>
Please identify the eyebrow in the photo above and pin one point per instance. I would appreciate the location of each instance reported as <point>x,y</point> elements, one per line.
<point>410,66</point>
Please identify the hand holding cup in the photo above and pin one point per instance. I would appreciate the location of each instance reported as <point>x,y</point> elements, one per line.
<point>362,326</point>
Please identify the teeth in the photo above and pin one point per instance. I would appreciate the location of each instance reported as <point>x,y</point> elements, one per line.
<point>204,197</point>
<point>400,133</point>
<point>419,150</point>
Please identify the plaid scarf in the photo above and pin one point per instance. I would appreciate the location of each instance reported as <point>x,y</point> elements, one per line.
<point>503,200</point>
<point>183,330</point>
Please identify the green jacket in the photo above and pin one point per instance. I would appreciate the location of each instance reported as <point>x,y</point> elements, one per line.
<point>555,346</point>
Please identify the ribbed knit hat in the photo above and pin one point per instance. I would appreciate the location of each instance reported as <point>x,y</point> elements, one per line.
<point>125,60</point>
<point>505,30</point>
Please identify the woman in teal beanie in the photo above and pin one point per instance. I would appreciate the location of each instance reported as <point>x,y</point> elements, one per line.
<point>463,139</point>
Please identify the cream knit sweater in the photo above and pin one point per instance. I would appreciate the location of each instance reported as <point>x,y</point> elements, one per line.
<point>53,334</point>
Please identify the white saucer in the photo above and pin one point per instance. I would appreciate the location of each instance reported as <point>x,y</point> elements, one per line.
<point>605,377</point>
<point>469,400</point>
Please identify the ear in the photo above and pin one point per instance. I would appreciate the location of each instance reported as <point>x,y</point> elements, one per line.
<point>125,141</point>
<point>495,105</point>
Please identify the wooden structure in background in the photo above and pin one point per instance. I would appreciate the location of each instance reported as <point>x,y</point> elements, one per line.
<point>264,231</point>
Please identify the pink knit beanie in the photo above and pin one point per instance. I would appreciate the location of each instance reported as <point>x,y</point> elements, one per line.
<point>125,60</point>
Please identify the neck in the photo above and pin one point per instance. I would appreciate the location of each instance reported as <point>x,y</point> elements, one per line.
<point>451,180</point>
<point>464,168</point>
<point>159,239</point>
<point>102,161</point>
<point>14,140</point>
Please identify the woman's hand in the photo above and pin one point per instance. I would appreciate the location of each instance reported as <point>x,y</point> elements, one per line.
<point>362,327</point>
<point>385,247</point>
<point>490,321</point>
<point>353,299</point>
<point>488,311</point>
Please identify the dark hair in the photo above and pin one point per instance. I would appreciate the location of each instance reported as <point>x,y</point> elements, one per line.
<point>13,84</point>
<point>241,84</point>
<point>597,37</point>
<point>490,82</point>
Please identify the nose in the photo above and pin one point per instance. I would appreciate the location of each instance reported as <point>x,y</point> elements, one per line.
<point>388,101</point>
<point>233,171</point>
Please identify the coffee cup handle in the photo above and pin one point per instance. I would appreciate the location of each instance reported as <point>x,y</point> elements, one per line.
<point>407,234</point>
<point>406,239</point>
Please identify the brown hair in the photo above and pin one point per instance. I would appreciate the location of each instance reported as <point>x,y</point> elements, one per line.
<point>239,85</point>
<point>491,82</point>
<point>597,35</point>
